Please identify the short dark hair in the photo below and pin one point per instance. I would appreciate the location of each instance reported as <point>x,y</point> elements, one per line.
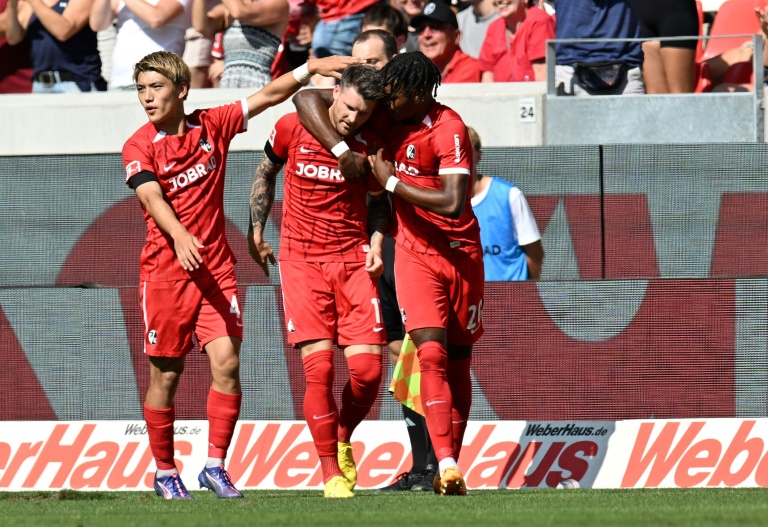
<point>387,39</point>
<point>367,81</point>
<point>384,15</point>
<point>413,74</point>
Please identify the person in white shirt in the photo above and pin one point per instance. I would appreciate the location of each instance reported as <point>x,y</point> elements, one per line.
<point>143,27</point>
<point>473,23</point>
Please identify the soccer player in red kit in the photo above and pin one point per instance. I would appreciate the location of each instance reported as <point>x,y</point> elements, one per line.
<point>175,163</point>
<point>330,258</point>
<point>438,261</point>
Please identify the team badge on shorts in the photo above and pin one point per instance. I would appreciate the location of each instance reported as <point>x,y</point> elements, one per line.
<point>410,152</point>
<point>152,337</point>
<point>205,145</point>
<point>291,328</point>
<point>402,314</point>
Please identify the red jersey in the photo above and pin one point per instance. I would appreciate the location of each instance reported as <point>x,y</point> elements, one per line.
<point>438,145</point>
<point>461,68</point>
<point>331,10</point>
<point>190,169</point>
<point>511,61</point>
<point>324,216</point>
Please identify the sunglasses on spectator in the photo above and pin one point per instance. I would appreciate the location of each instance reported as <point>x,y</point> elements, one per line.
<point>434,26</point>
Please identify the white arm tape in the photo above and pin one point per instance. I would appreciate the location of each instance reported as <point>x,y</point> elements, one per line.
<point>302,74</point>
<point>339,149</point>
<point>391,183</point>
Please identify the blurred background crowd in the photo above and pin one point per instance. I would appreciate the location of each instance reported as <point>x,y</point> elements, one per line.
<point>60,46</point>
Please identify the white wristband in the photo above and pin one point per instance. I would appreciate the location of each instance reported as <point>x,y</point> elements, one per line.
<point>339,149</point>
<point>302,74</point>
<point>392,183</point>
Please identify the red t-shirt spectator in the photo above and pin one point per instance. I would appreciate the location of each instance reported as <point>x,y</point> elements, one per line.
<point>15,65</point>
<point>461,68</point>
<point>511,60</point>
<point>331,10</point>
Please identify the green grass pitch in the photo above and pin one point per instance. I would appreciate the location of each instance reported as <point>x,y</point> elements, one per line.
<point>529,507</point>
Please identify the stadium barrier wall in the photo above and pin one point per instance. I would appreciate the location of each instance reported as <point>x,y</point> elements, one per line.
<point>653,300</point>
<point>114,455</point>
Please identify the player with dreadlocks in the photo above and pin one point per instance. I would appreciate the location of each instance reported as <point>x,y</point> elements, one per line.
<point>438,259</point>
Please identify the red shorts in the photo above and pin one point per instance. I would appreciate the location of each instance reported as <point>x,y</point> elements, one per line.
<point>438,292</point>
<point>172,311</point>
<point>331,300</point>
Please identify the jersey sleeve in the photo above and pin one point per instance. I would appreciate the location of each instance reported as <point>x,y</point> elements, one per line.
<point>542,30</point>
<point>487,57</point>
<point>136,160</point>
<point>230,119</point>
<point>281,135</point>
<point>453,147</point>
<point>525,224</point>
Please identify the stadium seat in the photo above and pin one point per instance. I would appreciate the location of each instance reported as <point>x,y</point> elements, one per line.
<point>735,17</point>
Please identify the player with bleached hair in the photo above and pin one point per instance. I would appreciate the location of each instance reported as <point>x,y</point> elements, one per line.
<point>176,163</point>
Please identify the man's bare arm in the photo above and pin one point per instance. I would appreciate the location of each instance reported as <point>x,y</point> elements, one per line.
<point>263,194</point>
<point>261,199</point>
<point>312,109</point>
<point>379,216</point>
<point>448,201</point>
<point>534,256</point>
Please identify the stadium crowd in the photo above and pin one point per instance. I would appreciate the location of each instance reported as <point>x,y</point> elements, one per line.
<point>91,45</point>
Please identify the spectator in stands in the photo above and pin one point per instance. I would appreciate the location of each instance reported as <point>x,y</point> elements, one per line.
<point>386,17</point>
<point>340,23</point>
<point>511,241</point>
<point>409,9</point>
<point>669,66</point>
<point>598,68</point>
<point>15,64</point>
<point>142,28</point>
<point>439,38</point>
<point>63,48</point>
<point>297,40</point>
<point>515,47</point>
<point>473,23</point>
<point>197,55</point>
<point>375,47</point>
<point>252,41</point>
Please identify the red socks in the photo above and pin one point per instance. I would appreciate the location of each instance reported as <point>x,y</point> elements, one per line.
<point>160,432</point>
<point>223,411</point>
<point>460,382</point>
<point>436,397</point>
<point>359,393</point>
<point>320,410</point>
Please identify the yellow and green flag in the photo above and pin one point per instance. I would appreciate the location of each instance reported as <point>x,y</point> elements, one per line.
<point>406,381</point>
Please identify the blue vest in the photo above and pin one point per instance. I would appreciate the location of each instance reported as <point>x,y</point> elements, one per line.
<point>503,258</point>
<point>79,55</point>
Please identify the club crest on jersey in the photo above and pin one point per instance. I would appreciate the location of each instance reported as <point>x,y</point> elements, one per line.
<point>410,152</point>
<point>205,145</point>
<point>152,337</point>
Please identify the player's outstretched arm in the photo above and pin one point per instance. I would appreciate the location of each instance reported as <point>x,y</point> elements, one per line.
<point>261,199</point>
<point>312,109</point>
<point>286,85</point>
<point>185,244</point>
<point>447,201</point>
